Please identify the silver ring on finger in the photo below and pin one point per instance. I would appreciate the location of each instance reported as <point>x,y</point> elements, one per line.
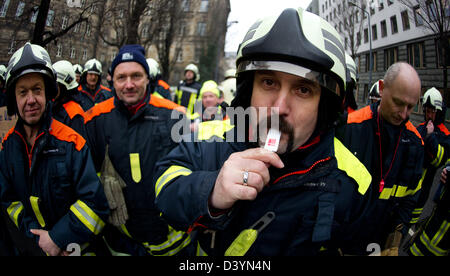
<point>245,179</point>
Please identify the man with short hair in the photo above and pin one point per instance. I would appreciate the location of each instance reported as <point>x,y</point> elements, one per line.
<point>128,134</point>
<point>243,199</point>
<point>48,184</point>
<point>385,141</point>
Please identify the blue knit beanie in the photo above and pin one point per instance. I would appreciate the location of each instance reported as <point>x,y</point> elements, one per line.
<point>131,53</point>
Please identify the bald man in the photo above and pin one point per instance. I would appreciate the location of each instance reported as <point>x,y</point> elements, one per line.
<point>385,141</point>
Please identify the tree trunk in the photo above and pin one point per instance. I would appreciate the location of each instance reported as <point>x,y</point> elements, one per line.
<point>41,22</point>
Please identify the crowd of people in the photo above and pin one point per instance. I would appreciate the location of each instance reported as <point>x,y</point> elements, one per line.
<point>99,167</point>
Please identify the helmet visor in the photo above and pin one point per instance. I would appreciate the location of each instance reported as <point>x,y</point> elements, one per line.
<point>323,79</point>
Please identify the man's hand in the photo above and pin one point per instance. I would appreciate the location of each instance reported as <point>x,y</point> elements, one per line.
<point>430,128</point>
<point>444,175</point>
<point>230,186</point>
<point>46,243</point>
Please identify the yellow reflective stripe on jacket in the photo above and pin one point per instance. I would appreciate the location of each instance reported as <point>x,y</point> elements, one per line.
<point>200,252</point>
<point>192,100</point>
<point>88,217</point>
<point>352,166</point>
<point>169,175</point>
<point>441,233</point>
<point>440,155</point>
<point>173,240</point>
<point>415,250</point>
<point>431,246</point>
<point>156,94</point>
<point>207,130</point>
<point>242,243</point>
<point>135,167</point>
<point>402,191</point>
<point>14,210</point>
<point>123,229</point>
<point>35,205</point>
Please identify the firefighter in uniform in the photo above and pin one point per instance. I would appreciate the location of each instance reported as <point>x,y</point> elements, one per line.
<point>386,142</point>
<point>162,89</point>
<point>434,239</point>
<point>48,184</point>
<point>65,109</point>
<point>91,90</point>
<point>2,85</point>
<point>244,200</point>
<point>349,100</point>
<point>187,91</point>
<point>128,134</point>
<point>437,144</point>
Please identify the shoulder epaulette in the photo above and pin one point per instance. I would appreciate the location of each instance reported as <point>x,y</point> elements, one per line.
<point>65,133</point>
<point>101,108</point>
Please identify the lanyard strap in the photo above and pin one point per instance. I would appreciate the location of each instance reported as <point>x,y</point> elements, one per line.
<point>381,154</point>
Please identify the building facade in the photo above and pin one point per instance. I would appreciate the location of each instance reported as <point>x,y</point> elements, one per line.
<point>395,33</point>
<point>84,41</point>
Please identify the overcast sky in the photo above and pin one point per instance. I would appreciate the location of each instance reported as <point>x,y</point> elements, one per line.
<point>246,12</point>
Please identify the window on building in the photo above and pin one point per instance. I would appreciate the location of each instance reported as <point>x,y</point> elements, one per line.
<point>440,54</point>
<point>65,20</point>
<point>416,54</point>
<point>374,61</point>
<point>4,8</point>
<point>390,57</point>
<point>201,29</point>
<point>418,16</point>
<point>34,14</point>
<point>84,54</point>
<point>358,38</point>
<point>204,6</point>
<point>380,5</point>
<point>185,5</point>
<point>383,28</point>
<point>88,29</point>
<point>374,32</point>
<point>367,63</point>
<point>50,17</point>
<point>73,53</point>
<point>20,8</point>
<point>405,20</point>
<point>366,35</point>
<point>180,55</point>
<point>59,50</point>
<point>431,10</point>
<point>12,46</point>
<point>394,26</point>
<point>183,29</point>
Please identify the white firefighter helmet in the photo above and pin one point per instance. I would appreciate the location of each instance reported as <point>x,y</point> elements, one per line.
<point>93,66</point>
<point>433,98</point>
<point>31,58</point>
<point>230,73</point>
<point>78,69</point>
<point>3,72</point>
<point>153,67</point>
<point>192,67</point>
<point>374,93</point>
<point>65,74</point>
